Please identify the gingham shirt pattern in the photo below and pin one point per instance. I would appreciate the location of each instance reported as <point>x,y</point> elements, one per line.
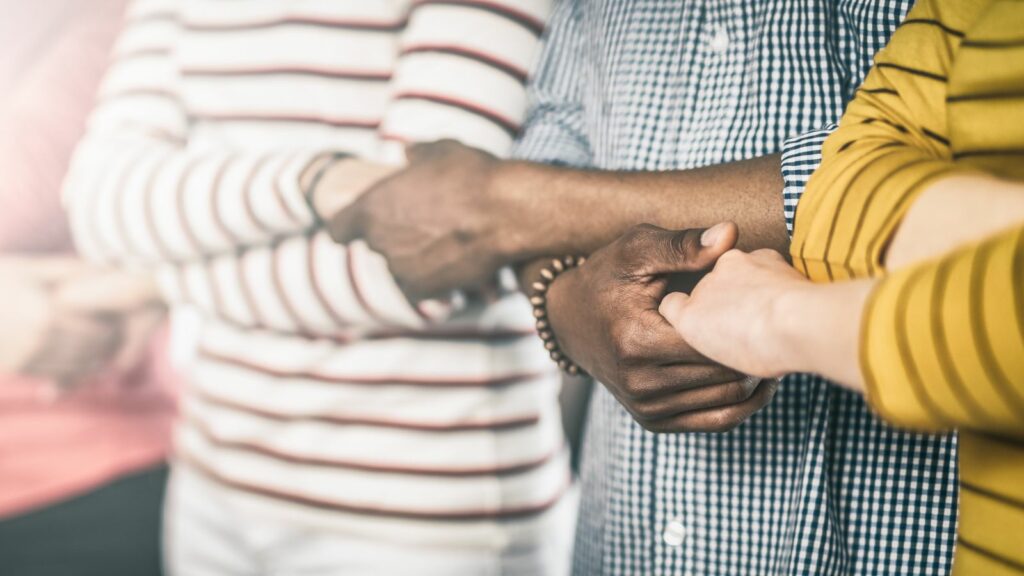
<point>801,156</point>
<point>814,483</point>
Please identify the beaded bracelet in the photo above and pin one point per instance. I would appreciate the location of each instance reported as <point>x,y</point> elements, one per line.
<point>540,311</point>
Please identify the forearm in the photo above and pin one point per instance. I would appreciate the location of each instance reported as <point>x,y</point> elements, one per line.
<point>566,211</point>
<point>185,205</point>
<point>821,324</point>
<point>952,212</point>
<point>303,284</point>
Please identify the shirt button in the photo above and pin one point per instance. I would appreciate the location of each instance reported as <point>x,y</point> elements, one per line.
<point>675,533</point>
<point>720,40</point>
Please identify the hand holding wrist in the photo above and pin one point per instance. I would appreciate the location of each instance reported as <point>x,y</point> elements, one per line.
<point>605,318</point>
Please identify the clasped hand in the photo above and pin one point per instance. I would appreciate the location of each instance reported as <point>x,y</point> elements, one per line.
<point>64,320</point>
<point>605,317</point>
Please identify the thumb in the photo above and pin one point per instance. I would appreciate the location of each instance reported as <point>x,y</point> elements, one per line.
<point>673,308</point>
<point>681,251</point>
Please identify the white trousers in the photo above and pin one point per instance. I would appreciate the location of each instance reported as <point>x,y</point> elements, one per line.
<point>206,536</point>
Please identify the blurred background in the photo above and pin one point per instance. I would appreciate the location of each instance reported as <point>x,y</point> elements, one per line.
<point>87,395</point>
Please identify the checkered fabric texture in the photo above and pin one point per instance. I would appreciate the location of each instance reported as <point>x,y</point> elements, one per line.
<point>814,483</point>
<point>801,156</point>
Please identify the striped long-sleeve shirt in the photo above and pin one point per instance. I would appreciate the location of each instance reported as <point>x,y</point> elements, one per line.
<point>942,342</point>
<point>317,388</point>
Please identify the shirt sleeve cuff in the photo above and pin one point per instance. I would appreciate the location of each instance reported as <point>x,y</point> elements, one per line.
<point>801,156</point>
<point>553,142</point>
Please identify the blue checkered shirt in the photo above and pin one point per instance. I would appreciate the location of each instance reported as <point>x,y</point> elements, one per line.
<point>814,483</point>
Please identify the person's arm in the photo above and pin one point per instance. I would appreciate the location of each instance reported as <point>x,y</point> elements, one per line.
<point>891,145</point>
<point>299,284</point>
<point>952,212</point>
<point>934,346</point>
<point>939,345</point>
<point>136,191</point>
<point>461,74</point>
<point>465,213</point>
<point>226,228</point>
<point>518,211</point>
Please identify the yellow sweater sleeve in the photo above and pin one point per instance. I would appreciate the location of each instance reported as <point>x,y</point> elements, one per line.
<point>891,142</point>
<point>943,342</point>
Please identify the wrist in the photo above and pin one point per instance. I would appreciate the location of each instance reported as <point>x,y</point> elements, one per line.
<point>791,324</point>
<point>819,330</point>
<point>540,210</point>
<point>544,291</point>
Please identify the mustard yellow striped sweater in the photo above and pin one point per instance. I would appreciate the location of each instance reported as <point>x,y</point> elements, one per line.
<point>942,342</point>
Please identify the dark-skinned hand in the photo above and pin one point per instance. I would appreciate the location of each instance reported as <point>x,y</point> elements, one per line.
<point>605,317</point>
<point>434,221</point>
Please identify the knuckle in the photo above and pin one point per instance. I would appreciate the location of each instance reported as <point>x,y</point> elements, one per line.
<point>650,422</point>
<point>741,390</point>
<point>687,244</point>
<point>637,239</point>
<point>726,420</point>
<point>622,345</point>
<point>643,412</point>
<point>628,352</point>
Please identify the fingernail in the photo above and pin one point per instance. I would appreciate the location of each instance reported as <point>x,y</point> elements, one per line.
<point>711,235</point>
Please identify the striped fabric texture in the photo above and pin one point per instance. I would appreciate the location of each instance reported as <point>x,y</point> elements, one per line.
<point>318,391</point>
<point>943,341</point>
<point>814,483</point>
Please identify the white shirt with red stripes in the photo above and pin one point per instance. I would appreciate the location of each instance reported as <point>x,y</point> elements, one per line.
<point>318,391</point>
